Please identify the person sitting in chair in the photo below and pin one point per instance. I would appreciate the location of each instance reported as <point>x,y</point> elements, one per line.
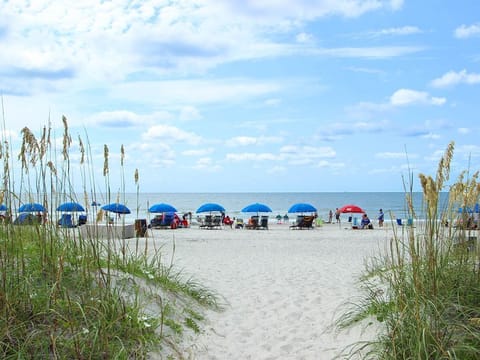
<point>228,221</point>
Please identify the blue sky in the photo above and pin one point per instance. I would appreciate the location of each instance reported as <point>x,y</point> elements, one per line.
<point>250,96</point>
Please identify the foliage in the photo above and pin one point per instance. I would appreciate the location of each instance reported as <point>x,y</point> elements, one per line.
<point>68,296</point>
<point>423,293</point>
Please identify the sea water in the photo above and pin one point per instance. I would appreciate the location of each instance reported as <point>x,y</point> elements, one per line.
<point>393,204</point>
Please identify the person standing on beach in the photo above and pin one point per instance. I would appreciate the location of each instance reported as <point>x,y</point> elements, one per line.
<point>330,216</point>
<point>380,218</point>
<point>337,215</point>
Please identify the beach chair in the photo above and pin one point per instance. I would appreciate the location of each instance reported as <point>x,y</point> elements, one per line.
<point>82,219</point>
<point>156,221</point>
<point>162,222</point>
<point>263,223</point>
<point>298,222</point>
<point>26,219</point>
<point>355,224</point>
<point>252,223</point>
<point>217,222</point>
<point>239,223</point>
<point>207,222</point>
<point>65,221</point>
<point>307,222</point>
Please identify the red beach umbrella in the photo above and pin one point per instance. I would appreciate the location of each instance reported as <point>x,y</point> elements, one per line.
<point>351,209</point>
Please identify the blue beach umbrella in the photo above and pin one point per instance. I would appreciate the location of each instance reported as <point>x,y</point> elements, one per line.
<point>256,208</point>
<point>70,207</point>
<point>469,210</point>
<point>162,208</point>
<point>210,207</point>
<point>31,207</point>
<point>116,208</point>
<point>3,207</point>
<point>302,208</point>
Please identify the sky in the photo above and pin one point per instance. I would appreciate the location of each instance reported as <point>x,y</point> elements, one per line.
<point>249,96</point>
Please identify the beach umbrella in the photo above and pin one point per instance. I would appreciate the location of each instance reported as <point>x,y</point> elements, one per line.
<point>465,210</point>
<point>116,208</point>
<point>162,208</point>
<point>31,207</point>
<point>475,209</point>
<point>256,208</point>
<point>209,207</point>
<point>351,209</point>
<point>70,207</point>
<point>3,207</point>
<point>302,208</point>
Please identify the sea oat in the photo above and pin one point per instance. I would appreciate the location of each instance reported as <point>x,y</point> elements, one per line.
<point>105,160</point>
<point>82,150</point>
<point>67,140</point>
<point>52,168</point>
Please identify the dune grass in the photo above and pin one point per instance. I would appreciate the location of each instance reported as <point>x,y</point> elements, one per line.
<point>65,296</point>
<point>423,293</point>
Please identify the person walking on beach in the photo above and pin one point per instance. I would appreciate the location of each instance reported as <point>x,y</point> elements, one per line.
<point>330,216</point>
<point>380,218</point>
<point>337,215</point>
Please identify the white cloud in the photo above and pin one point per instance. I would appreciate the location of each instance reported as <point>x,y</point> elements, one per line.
<point>464,131</point>
<point>404,30</point>
<point>180,92</point>
<point>115,119</point>
<point>198,152</point>
<point>330,164</point>
<point>250,140</point>
<point>403,97</point>
<point>466,31</point>
<point>294,152</point>
<point>270,11</point>
<point>252,157</point>
<point>431,136</point>
<point>380,52</point>
<point>170,133</point>
<point>206,163</point>
<point>391,155</point>
<point>304,38</point>
<point>396,4</point>
<point>189,113</point>
<point>106,41</point>
<point>452,78</point>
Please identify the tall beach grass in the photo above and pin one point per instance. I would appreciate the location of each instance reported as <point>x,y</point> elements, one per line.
<point>423,293</point>
<point>68,296</point>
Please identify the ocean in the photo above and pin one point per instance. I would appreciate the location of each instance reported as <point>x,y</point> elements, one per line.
<point>392,203</point>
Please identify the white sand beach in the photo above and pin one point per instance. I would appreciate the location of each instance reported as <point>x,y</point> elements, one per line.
<point>283,288</point>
